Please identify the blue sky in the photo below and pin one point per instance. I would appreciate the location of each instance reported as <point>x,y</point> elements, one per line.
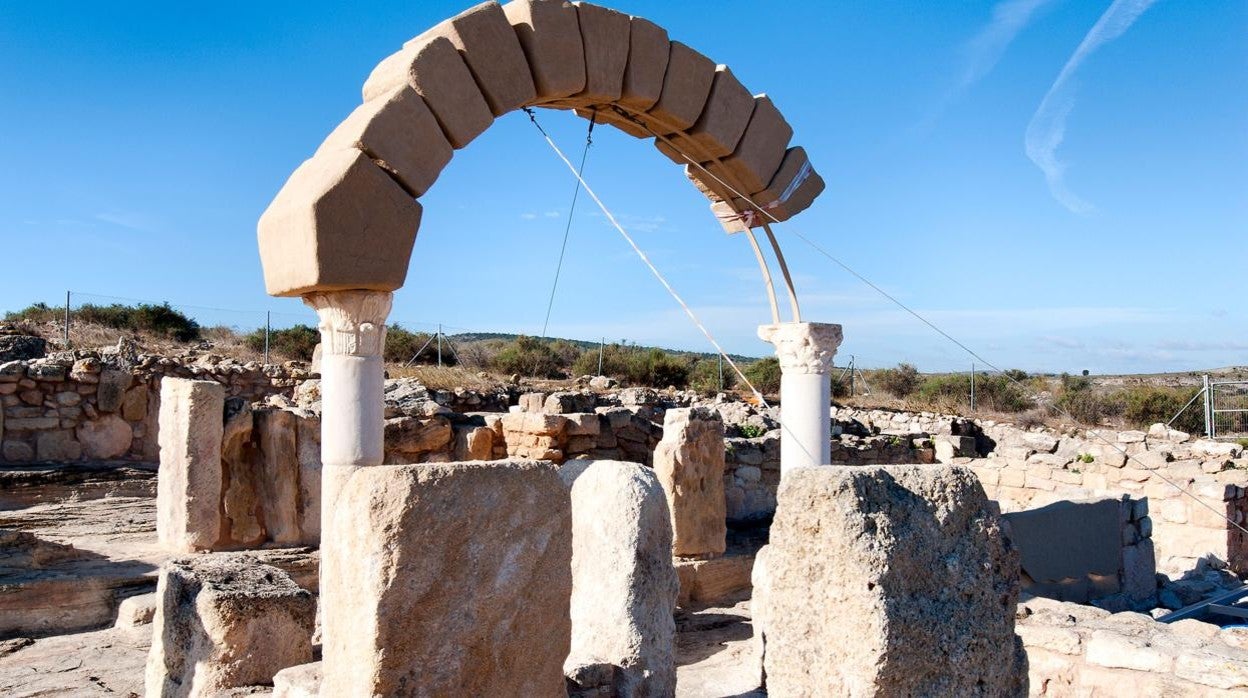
<point>1060,184</point>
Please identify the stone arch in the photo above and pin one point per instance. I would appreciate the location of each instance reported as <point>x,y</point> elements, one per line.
<point>347,217</point>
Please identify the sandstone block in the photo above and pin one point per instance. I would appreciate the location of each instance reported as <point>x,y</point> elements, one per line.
<point>308,446</point>
<point>492,51</point>
<point>58,445</point>
<point>225,621</point>
<point>689,461</point>
<point>188,490</point>
<point>112,389</point>
<point>338,223</point>
<point>648,51</point>
<point>607,116</point>
<point>136,611</point>
<point>686,86</point>
<point>105,438</point>
<point>278,471</point>
<point>433,67</point>
<point>550,35</point>
<point>483,550</point>
<point>399,132</point>
<point>624,586</point>
<point>723,120</point>
<point>794,187</point>
<point>762,147</point>
<point>889,580</point>
<point>605,36</point>
<point>302,681</point>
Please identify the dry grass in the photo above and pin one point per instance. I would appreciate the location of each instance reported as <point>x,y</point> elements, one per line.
<point>444,378</point>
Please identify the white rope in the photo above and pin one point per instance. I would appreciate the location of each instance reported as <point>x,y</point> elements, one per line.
<point>653,269</point>
<point>764,211</point>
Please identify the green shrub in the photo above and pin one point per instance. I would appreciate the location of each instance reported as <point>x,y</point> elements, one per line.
<point>765,375</point>
<point>704,376</point>
<point>402,345</point>
<point>751,431</point>
<point>160,320</point>
<point>993,393</point>
<point>899,382</point>
<point>295,343</point>
<point>36,312</point>
<point>1088,407</point>
<point>654,368</point>
<point>527,356</point>
<point>1015,374</point>
<point>1147,405</point>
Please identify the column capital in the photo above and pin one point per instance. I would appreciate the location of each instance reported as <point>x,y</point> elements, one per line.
<point>803,347</point>
<point>353,323</point>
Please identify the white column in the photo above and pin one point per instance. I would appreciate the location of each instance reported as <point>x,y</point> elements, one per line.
<point>805,350</point>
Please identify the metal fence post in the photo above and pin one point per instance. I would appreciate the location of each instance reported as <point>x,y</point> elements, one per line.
<point>439,345</point>
<point>972,386</point>
<point>721,372</point>
<point>1210,427</point>
<point>268,326</point>
<point>601,344</point>
<point>67,293</point>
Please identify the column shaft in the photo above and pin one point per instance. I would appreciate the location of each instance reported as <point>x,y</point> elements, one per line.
<point>805,351</point>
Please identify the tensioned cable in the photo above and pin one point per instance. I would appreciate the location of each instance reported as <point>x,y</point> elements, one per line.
<point>589,140</point>
<point>1095,433</point>
<point>653,269</point>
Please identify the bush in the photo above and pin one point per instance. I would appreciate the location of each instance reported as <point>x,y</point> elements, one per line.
<point>527,356</point>
<point>160,320</point>
<point>993,393</point>
<point>900,381</point>
<point>1147,405</point>
<point>704,376</point>
<point>765,375</point>
<point>1088,407</point>
<point>295,343</point>
<point>655,368</point>
<point>402,345</point>
<point>36,312</point>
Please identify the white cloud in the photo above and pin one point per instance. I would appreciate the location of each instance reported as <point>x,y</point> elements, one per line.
<point>986,48</point>
<point>1048,125</point>
<point>529,216</point>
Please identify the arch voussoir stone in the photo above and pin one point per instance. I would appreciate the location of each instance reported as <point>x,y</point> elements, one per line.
<point>490,47</point>
<point>550,35</point>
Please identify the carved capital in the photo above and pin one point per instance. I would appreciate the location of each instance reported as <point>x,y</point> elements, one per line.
<point>803,347</point>
<point>353,323</point>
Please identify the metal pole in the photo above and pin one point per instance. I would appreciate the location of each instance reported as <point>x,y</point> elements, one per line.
<point>972,386</point>
<point>1210,427</point>
<point>721,372</point>
<point>67,318</point>
<point>852,386</point>
<point>439,345</point>
<point>268,328</point>
<point>600,346</point>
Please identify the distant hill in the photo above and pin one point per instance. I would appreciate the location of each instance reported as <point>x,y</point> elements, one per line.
<point>585,344</point>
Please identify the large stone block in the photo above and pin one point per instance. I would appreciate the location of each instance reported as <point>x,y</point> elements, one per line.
<point>105,438</point>
<point>225,621</point>
<point>889,580</point>
<point>447,579</point>
<point>550,35</point>
<point>188,489</point>
<point>278,471</point>
<point>753,165</point>
<point>722,123</point>
<point>792,190</point>
<point>624,586</point>
<point>648,51</point>
<point>435,69</point>
<point>339,223</point>
<point>689,461</point>
<point>399,132</point>
<point>686,86</point>
<point>492,51</point>
<point>605,36</point>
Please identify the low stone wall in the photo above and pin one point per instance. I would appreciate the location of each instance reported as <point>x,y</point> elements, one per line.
<point>1080,650</point>
<point>91,406</point>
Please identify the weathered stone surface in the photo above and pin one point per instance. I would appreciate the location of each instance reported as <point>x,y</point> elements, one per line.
<point>21,348</point>
<point>482,549</point>
<point>715,580</point>
<point>278,474</point>
<point>793,188</point>
<point>410,439</point>
<point>308,445</point>
<point>605,36</point>
<point>112,389</point>
<point>58,445</point>
<point>338,223</point>
<point>689,461</point>
<point>136,611</point>
<point>889,580</point>
<point>302,681</point>
<point>225,621</point>
<point>105,438</point>
<point>648,51</point>
<point>686,86</point>
<point>762,147</point>
<point>623,584</point>
<point>188,491</point>
<point>399,132</point>
<point>489,46</point>
<point>722,123</point>
<point>550,35</point>
<point>433,67</point>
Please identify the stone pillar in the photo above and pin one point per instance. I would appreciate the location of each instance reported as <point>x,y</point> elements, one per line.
<point>188,491</point>
<point>689,461</point>
<point>353,334</point>
<point>805,350</point>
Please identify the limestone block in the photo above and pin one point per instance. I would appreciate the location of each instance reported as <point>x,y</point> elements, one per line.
<point>689,461</point>
<point>224,621</point>
<point>339,223</point>
<point>474,443</point>
<point>240,502</point>
<point>722,123</point>
<point>489,46</point>
<point>648,52</point>
<point>483,550</point>
<point>278,474</point>
<point>188,490</point>
<point>136,611</point>
<point>754,163</point>
<point>111,390</point>
<point>399,132</point>
<point>57,445</point>
<point>794,187</point>
<point>105,438</point>
<point>606,116</point>
<point>624,586</point>
<point>889,580</point>
<point>550,35</point>
<point>433,67</point>
<point>308,446</point>
<point>134,405</point>
<point>605,36</point>
<point>686,86</point>
<point>302,681</point>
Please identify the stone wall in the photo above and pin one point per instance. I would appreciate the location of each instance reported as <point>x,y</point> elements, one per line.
<point>90,406</point>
